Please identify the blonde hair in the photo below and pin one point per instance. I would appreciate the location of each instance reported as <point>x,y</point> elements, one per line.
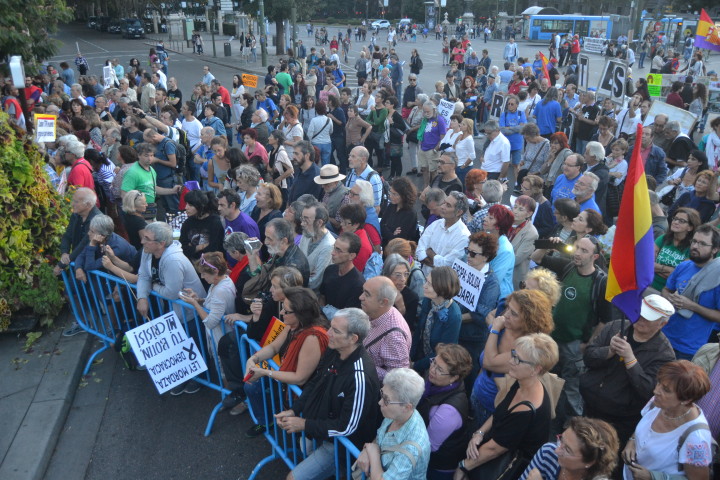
<point>539,349</point>
<point>547,283</point>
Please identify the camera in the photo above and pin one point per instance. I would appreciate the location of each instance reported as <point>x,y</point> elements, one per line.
<point>252,245</point>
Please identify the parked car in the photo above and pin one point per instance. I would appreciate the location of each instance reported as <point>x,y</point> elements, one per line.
<point>102,25</point>
<point>92,22</point>
<point>380,24</point>
<point>132,28</point>
<point>115,26</point>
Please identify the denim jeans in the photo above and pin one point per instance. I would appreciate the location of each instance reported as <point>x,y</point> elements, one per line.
<point>254,394</point>
<point>325,151</point>
<point>338,147</point>
<point>570,367</point>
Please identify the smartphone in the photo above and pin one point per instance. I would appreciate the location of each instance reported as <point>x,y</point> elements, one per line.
<point>547,244</point>
<point>252,245</point>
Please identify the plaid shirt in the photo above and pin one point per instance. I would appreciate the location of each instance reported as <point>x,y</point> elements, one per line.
<point>393,351</point>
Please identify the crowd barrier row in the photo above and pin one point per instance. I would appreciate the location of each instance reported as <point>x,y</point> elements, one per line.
<point>105,305</point>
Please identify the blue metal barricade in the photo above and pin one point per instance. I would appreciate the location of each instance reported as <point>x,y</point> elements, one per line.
<point>105,305</point>
<point>278,397</point>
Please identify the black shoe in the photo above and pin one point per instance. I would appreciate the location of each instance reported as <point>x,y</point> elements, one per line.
<point>232,400</point>
<point>255,431</point>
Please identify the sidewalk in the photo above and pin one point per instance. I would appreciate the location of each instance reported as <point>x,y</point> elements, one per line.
<point>36,392</point>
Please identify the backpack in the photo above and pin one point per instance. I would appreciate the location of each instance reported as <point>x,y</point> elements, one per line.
<point>385,195</point>
<point>103,189</point>
<point>183,152</point>
<point>714,449</point>
<point>122,346</point>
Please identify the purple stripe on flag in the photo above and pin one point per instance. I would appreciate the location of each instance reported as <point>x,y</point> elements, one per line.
<point>629,301</point>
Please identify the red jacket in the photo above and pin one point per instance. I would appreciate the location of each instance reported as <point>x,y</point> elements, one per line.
<point>81,174</point>
<point>575,48</point>
<point>225,95</point>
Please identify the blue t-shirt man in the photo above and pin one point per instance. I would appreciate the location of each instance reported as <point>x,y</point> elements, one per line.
<point>547,115</point>
<point>687,335</point>
<point>563,187</point>
<point>590,203</point>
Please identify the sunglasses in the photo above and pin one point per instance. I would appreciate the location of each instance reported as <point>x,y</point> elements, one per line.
<point>471,253</point>
<point>204,263</point>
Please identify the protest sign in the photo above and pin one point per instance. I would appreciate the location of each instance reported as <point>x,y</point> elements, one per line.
<point>612,81</point>
<point>446,109</point>
<point>274,329</point>
<point>471,283</point>
<point>249,81</point>
<point>498,105</point>
<point>654,81</point>
<point>687,120</point>
<point>594,45</point>
<point>45,126</point>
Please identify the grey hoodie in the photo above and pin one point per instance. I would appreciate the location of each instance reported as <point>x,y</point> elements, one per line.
<point>176,273</point>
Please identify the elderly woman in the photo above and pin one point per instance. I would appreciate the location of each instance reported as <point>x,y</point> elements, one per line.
<point>406,249</point>
<point>559,151</point>
<point>280,162</point>
<point>399,218</point>
<point>101,234</point>
<point>402,429</point>
<point>521,423</point>
<point>440,318</point>
<point>252,146</point>
<point>134,205</point>
<point>498,221</point>
<point>291,128</point>
<point>362,193</point>
<point>535,153</point>
<point>352,219</point>
<point>544,221</point>
<point>673,248</point>
<point>669,441</point>
<point>702,198</point>
<point>202,231</point>
<point>220,299</point>
<point>248,179</point>
<point>319,131</point>
<point>261,312</point>
<point>481,250</point>
<point>490,195</point>
<point>526,312</point>
<point>474,183</point>
<point>522,236</point>
<point>585,450</point>
<point>300,345</point>
<point>111,145</point>
<point>414,120</point>
<point>397,269</point>
<point>444,408</point>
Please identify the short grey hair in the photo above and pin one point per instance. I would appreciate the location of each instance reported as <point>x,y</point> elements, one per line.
<point>367,196</point>
<point>321,212</point>
<point>76,148</point>
<point>462,202</point>
<point>407,385</point>
<point>114,133</point>
<point>595,179</point>
<point>492,191</point>
<point>358,322</point>
<point>235,242</point>
<point>392,261</point>
<point>162,231</point>
<point>86,195</point>
<point>387,291</point>
<point>432,105</point>
<point>673,125</point>
<point>435,195</point>
<point>129,200</point>
<point>422,98</point>
<point>491,125</point>
<point>596,149</point>
<point>102,224</point>
<point>249,174</point>
<point>283,229</point>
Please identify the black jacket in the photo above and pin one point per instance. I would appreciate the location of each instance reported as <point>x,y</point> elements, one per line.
<point>341,399</point>
<point>610,388</point>
<point>75,237</point>
<point>452,450</point>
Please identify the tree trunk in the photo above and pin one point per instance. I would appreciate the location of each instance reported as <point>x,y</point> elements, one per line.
<point>280,48</point>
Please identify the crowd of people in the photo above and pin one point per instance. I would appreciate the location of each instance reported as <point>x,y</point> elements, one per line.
<point>291,202</point>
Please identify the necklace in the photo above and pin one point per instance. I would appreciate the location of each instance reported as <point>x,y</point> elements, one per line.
<point>678,417</point>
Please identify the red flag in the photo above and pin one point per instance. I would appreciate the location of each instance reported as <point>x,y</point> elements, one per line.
<point>545,62</point>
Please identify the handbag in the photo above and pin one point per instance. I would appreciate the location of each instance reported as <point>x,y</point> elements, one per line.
<point>399,448</point>
<point>523,173</point>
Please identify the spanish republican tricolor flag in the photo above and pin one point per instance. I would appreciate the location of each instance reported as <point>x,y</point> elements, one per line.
<point>707,35</point>
<point>545,62</point>
<point>632,260</point>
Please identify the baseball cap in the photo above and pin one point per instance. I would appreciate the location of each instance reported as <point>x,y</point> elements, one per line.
<point>655,307</point>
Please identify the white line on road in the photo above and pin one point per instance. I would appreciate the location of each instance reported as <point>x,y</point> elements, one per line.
<point>90,43</point>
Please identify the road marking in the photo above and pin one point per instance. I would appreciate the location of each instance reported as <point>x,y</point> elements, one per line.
<point>90,43</point>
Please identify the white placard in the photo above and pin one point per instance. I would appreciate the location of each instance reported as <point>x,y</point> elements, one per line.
<point>45,127</point>
<point>687,120</point>
<point>445,110</point>
<point>612,81</point>
<point>156,337</point>
<point>471,283</point>
<point>176,365</point>
<point>594,45</point>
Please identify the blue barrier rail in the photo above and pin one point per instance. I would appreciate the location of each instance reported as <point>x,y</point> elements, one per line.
<point>105,305</point>
<point>289,447</point>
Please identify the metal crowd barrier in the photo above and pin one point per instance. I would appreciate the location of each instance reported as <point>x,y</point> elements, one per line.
<point>105,305</point>
<point>288,447</point>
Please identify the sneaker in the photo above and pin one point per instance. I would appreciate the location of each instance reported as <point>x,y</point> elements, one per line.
<point>74,329</point>
<point>179,390</point>
<point>239,409</point>
<point>232,400</point>
<point>191,387</point>
<point>255,431</point>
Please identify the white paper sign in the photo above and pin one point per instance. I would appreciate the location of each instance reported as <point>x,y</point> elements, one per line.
<point>156,337</point>
<point>45,127</point>
<point>176,366</point>
<point>446,109</point>
<point>594,45</point>
<point>471,283</point>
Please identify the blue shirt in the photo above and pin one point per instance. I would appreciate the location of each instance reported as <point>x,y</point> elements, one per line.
<point>368,175</point>
<point>162,150</point>
<point>590,203</point>
<point>304,182</point>
<point>503,265</point>
<point>547,115</point>
<point>508,119</point>
<point>563,187</point>
<point>216,124</point>
<point>687,335</point>
<point>396,465</point>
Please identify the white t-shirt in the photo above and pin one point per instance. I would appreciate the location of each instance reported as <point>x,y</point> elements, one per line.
<point>192,128</point>
<point>497,153</point>
<point>658,451</point>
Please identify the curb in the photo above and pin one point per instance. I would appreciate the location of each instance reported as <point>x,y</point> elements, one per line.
<point>34,442</point>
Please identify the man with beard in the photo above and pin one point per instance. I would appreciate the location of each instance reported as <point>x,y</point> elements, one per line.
<point>694,290</point>
<point>316,242</point>
<point>584,191</point>
<point>305,172</point>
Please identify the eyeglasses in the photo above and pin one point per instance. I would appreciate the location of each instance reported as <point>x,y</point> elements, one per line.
<point>147,239</point>
<point>564,451</point>
<point>680,220</point>
<point>401,274</point>
<point>446,163</point>
<point>386,399</point>
<point>700,244</point>
<point>438,370</point>
<point>204,263</point>
<point>287,312</point>
<point>516,358</point>
<point>568,165</point>
<point>353,194</point>
<point>471,253</point>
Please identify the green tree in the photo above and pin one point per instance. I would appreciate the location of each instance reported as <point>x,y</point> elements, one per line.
<point>279,10</point>
<point>25,28</point>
